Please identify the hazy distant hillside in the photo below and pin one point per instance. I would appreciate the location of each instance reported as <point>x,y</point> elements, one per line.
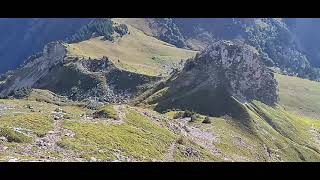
<point>307,33</point>
<point>22,37</point>
<point>290,44</point>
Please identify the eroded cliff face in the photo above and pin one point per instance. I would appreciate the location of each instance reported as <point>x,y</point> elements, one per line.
<point>211,82</point>
<point>236,67</point>
<point>22,37</point>
<point>53,54</point>
<point>78,79</point>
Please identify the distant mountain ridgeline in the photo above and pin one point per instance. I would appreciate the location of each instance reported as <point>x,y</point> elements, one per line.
<point>289,44</point>
<point>22,37</point>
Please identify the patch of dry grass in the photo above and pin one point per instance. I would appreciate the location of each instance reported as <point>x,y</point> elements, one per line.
<point>136,52</point>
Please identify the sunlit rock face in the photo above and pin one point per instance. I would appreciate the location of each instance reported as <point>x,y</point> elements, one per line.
<point>233,67</point>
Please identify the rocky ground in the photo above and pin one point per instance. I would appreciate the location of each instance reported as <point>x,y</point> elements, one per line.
<point>179,139</point>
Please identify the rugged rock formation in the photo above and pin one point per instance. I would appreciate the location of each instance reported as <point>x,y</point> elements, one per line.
<point>239,70</point>
<point>224,72</point>
<point>78,79</point>
<point>52,55</point>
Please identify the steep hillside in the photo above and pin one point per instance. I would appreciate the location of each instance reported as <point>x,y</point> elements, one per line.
<point>162,28</point>
<point>270,36</point>
<point>48,128</point>
<point>133,90</point>
<point>287,46</point>
<point>135,52</point>
<point>78,79</point>
<point>286,43</point>
<point>108,69</point>
<point>215,80</point>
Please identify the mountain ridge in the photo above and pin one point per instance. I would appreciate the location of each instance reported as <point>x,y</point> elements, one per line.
<point>223,71</point>
<point>166,89</point>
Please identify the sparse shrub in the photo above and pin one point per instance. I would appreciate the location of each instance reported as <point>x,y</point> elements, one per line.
<point>182,114</point>
<point>178,115</point>
<point>21,93</point>
<point>106,112</point>
<point>122,29</point>
<point>181,140</point>
<point>188,113</point>
<point>67,116</point>
<point>194,117</point>
<point>62,144</point>
<point>206,120</point>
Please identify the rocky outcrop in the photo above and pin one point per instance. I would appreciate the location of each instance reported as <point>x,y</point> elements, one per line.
<point>94,79</point>
<point>78,79</point>
<point>216,78</point>
<point>236,67</point>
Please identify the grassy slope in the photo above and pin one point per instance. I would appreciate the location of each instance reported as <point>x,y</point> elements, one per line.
<point>136,137</point>
<point>22,117</point>
<point>300,96</point>
<point>282,133</point>
<point>274,134</point>
<point>287,135</point>
<point>137,52</point>
<point>287,130</point>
